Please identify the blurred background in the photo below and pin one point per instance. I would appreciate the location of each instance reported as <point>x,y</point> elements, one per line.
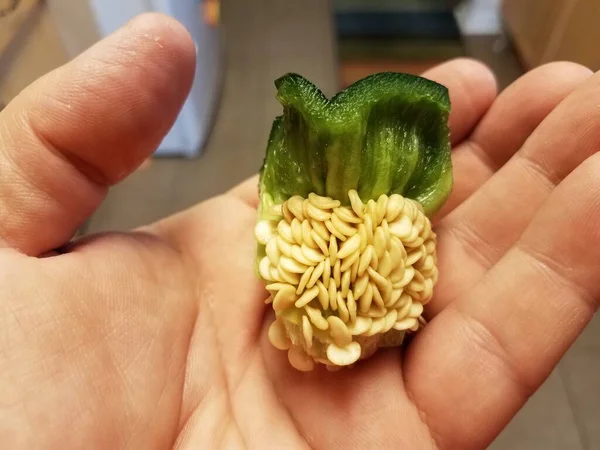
<point>220,135</point>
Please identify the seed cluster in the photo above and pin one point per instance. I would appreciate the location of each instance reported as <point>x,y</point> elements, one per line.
<point>344,279</point>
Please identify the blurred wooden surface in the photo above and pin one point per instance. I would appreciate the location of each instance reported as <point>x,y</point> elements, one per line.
<point>545,31</point>
<point>29,47</point>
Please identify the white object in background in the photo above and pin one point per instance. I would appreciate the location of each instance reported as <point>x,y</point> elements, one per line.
<point>190,131</point>
<point>479,17</point>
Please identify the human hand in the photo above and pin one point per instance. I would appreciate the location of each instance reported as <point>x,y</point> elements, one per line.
<point>157,338</point>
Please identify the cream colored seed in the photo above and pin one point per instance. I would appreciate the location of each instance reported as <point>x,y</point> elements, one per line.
<point>394,207</point>
<point>428,291</point>
<point>307,331</point>
<point>333,296</point>
<point>409,273</point>
<point>337,274</point>
<point>345,284</point>
<point>321,243</point>
<point>304,280</point>
<point>360,286</point>
<point>307,297</point>
<point>365,260</point>
<point>276,210</point>
<point>263,268</point>
<point>372,212</point>
<point>419,223</point>
<point>316,318</point>
<point>344,356</point>
<point>287,214</point>
<point>263,231</point>
<point>273,251</point>
<point>342,227</point>
<point>385,265</point>
<point>284,299</point>
<point>354,269</point>
<point>316,274</point>
<point>339,331</point>
<point>289,277</point>
<point>320,229</point>
<point>362,232</point>
<point>417,242</point>
<point>382,203</point>
<point>296,226</point>
<point>274,287</point>
<point>347,215</point>
<point>368,223</point>
<point>395,254</point>
<point>349,261</point>
<point>356,203</point>
<point>299,360</point>
<point>312,255</point>
<point>291,265</point>
<point>327,273</point>
<point>304,209</point>
<point>274,272</point>
<point>307,234</point>
<point>365,300</point>
<point>401,228</point>
<point>379,242</point>
<point>333,250</point>
<point>299,256</point>
<point>323,295</point>
<point>351,303</point>
<point>323,202</point>
<point>402,301</point>
<point>377,312</point>
<point>350,246</point>
<point>374,264</point>
<point>412,237</point>
<point>409,209</point>
<point>360,326</point>
<point>334,231</point>
<point>376,326</point>
<point>416,309</point>
<point>405,324</point>
<point>427,230</point>
<point>277,336</point>
<point>343,312</point>
<point>428,264</point>
<point>390,320</point>
<point>284,230</point>
<point>295,205</point>
<point>403,311</point>
<point>284,247</point>
<point>386,232</point>
<point>317,213</point>
<point>396,294</point>
<point>381,282</point>
<point>415,286</point>
<point>377,298</point>
<point>415,327</point>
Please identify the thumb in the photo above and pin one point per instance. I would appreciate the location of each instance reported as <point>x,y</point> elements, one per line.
<point>85,126</point>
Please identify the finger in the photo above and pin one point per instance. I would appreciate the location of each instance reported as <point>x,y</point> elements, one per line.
<point>472,89</point>
<point>86,126</point>
<point>488,352</point>
<point>481,229</point>
<point>247,191</point>
<point>515,114</point>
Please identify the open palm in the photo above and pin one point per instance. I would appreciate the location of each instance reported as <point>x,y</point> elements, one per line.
<point>157,338</point>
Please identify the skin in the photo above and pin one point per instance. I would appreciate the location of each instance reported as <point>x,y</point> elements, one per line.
<point>157,338</point>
